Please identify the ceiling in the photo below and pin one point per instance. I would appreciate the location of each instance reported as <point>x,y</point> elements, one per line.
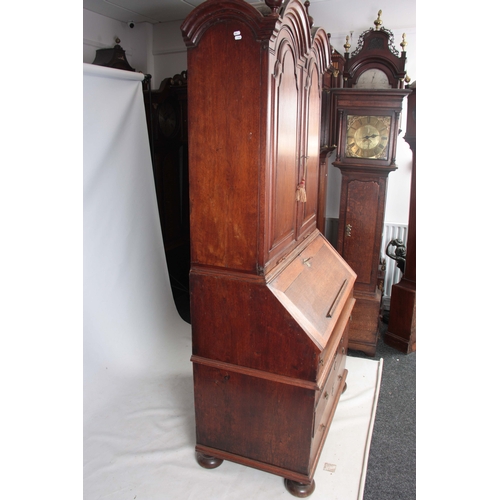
<point>397,13</point>
<point>152,11</point>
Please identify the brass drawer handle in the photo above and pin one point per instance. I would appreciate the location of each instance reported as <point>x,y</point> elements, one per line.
<point>348,230</point>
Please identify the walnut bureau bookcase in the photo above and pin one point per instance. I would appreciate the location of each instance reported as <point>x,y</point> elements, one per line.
<point>271,299</point>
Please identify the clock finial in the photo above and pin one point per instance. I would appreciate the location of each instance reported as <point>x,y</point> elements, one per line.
<point>404,43</point>
<point>307,4</point>
<point>274,5</point>
<point>378,22</point>
<point>347,45</point>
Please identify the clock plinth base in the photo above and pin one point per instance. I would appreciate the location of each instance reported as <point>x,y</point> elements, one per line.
<point>300,490</point>
<point>401,331</point>
<point>364,329</point>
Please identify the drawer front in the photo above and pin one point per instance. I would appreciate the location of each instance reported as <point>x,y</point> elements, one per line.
<point>341,349</point>
<point>322,423</point>
<point>340,332</point>
<point>326,396</point>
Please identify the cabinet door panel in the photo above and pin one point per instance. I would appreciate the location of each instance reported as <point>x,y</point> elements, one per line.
<point>285,172</point>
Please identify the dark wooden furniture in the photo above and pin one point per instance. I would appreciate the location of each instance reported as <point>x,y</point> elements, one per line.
<point>166,116</point>
<point>368,111</point>
<point>270,297</point>
<point>402,329</point>
<point>112,58</point>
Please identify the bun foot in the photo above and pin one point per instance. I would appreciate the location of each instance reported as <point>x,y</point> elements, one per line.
<point>207,461</point>
<point>300,490</point>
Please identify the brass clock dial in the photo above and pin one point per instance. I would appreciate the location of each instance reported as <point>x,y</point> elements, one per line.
<point>367,137</point>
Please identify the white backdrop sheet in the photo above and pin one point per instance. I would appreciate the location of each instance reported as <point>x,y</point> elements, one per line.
<point>138,420</point>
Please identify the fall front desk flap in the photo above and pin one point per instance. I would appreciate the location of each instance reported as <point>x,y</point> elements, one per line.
<point>315,288</point>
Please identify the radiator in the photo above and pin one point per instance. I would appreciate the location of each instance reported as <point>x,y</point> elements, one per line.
<point>392,273</point>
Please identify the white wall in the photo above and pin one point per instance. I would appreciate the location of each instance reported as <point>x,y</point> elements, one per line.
<point>158,50</point>
<point>169,51</point>
<point>100,32</point>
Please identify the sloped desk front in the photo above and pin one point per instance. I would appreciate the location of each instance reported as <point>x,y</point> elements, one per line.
<point>269,360</point>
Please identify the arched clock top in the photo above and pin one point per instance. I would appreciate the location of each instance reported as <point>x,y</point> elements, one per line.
<point>375,51</point>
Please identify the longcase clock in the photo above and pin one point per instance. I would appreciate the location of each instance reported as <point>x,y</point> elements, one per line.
<point>368,111</point>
